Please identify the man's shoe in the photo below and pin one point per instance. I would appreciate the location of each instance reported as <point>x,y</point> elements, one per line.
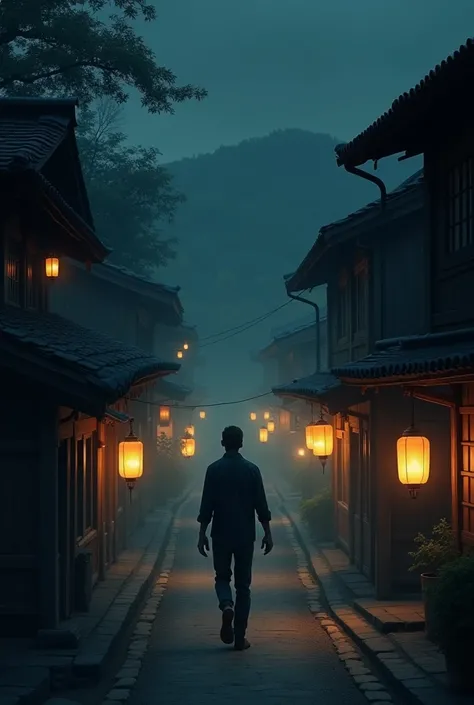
<point>227,630</point>
<point>241,644</point>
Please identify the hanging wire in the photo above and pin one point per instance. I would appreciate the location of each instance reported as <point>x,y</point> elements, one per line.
<point>201,406</point>
<point>246,324</point>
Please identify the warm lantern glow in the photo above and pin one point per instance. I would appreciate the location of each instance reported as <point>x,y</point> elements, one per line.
<point>179,354</point>
<point>266,415</point>
<point>130,458</point>
<point>185,346</point>
<point>189,430</point>
<point>188,446</point>
<point>413,459</point>
<point>271,426</point>
<point>165,415</point>
<point>253,416</point>
<point>51,267</point>
<point>322,440</point>
<point>202,414</point>
<point>263,435</point>
<point>301,452</point>
<point>310,431</point>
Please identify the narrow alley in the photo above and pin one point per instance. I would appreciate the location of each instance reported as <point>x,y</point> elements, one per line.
<point>292,657</point>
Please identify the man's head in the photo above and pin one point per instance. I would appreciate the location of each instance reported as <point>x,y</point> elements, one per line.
<point>232,438</point>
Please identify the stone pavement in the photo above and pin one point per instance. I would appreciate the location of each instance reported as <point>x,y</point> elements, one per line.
<point>175,655</point>
<point>412,665</point>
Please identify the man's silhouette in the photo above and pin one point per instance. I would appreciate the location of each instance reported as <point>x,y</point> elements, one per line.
<point>233,492</point>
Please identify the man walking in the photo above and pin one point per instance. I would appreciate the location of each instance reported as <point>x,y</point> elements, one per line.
<point>233,493</point>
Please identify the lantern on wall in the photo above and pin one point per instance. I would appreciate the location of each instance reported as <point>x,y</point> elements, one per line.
<point>202,414</point>
<point>165,415</point>
<point>188,446</point>
<point>322,436</point>
<point>301,452</point>
<point>253,416</point>
<point>263,434</point>
<point>271,426</point>
<point>185,346</point>
<point>266,415</point>
<point>413,460</point>
<point>51,266</point>
<point>130,459</point>
<point>179,354</point>
<point>189,430</point>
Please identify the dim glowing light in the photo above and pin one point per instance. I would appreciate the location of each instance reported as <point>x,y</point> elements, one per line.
<point>263,435</point>
<point>202,414</point>
<point>413,460</point>
<point>130,459</point>
<point>301,452</point>
<point>189,430</point>
<point>165,415</point>
<point>51,265</point>
<point>271,426</point>
<point>266,415</point>
<point>185,346</point>
<point>253,416</point>
<point>179,354</point>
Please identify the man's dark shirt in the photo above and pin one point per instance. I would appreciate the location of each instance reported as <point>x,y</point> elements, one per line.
<point>233,492</point>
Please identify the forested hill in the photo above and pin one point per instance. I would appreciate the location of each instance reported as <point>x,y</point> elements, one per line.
<point>252,212</point>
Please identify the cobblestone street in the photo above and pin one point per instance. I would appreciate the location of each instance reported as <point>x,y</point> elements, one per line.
<point>292,657</point>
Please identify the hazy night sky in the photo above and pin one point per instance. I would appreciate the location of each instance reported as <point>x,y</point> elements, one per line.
<point>267,64</point>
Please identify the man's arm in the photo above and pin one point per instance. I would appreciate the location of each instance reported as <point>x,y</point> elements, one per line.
<point>207,503</point>
<point>263,513</point>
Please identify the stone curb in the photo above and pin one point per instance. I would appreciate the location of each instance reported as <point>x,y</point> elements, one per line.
<point>100,647</point>
<point>127,675</point>
<point>406,678</point>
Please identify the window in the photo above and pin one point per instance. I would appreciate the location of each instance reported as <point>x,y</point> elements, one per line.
<point>343,308</point>
<point>460,206</point>
<point>13,262</point>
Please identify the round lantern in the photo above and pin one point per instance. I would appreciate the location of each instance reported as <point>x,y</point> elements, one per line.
<point>130,459</point>
<point>179,354</point>
<point>51,266</point>
<point>413,460</point>
<point>271,426</point>
<point>189,430</point>
<point>185,346</point>
<point>253,416</point>
<point>266,415</point>
<point>301,452</point>
<point>263,435</point>
<point>323,440</point>
<point>202,414</point>
<point>165,415</point>
<point>188,446</point>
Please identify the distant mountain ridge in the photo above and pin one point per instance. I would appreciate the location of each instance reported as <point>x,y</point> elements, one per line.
<point>253,211</point>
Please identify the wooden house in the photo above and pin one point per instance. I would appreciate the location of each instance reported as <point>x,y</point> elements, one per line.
<point>434,119</point>
<point>66,387</point>
<point>360,258</point>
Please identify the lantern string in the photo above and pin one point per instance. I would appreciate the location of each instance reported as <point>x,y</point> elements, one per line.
<point>201,406</point>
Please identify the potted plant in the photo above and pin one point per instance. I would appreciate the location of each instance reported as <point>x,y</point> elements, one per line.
<point>453,621</point>
<point>430,556</point>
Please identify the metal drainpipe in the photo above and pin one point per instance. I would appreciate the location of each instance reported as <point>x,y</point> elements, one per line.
<point>316,310</point>
<point>370,177</point>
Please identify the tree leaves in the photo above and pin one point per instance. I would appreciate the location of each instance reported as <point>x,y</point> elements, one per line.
<point>72,47</point>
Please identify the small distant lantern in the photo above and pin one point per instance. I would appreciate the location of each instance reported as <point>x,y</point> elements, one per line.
<point>413,460</point>
<point>323,440</point>
<point>51,265</point>
<point>179,354</point>
<point>301,452</point>
<point>130,458</point>
<point>189,430</point>
<point>263,434</point>
<point>188,446</point>
<point>266,415</point>
<point>253,416</point>
<point>202,414</point>
<point>185,346</point>
<point>165,415</point>
<point>271,426</point>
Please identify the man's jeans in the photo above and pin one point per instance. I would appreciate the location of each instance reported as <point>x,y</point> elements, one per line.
<point>223,551</point>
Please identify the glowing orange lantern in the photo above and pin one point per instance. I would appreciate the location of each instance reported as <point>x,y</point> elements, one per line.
<point>165,415</point>
<point>130,459</point>
<point>189,430</point>
<point>51,265</point>
<point>263,434</point>
<point>323,441</point>
<point>253,416</point>
<point>413,460</point>
<point>266,415</point>
<point>188,446</point>
<point>271,426</point>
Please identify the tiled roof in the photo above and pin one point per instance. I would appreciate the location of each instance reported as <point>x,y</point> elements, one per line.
<point>389,133</point>
<point>419,356</point>
<point>28,142</point>
<point>108,366</point>
<point>316,386</point>
<point>139,277</point>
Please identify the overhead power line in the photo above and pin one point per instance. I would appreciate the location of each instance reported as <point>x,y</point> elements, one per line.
<point>201,406</point>
<point>243,326</point>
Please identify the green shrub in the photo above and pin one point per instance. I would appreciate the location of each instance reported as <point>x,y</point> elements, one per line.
<point>318,514</point>
<point>434,552</point>
<point>453,607</point>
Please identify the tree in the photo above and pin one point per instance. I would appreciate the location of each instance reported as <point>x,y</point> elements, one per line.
<point>73,47</point>
<point>131,193</point>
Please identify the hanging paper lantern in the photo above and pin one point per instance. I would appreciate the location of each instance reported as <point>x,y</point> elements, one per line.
<point>413,460</point>
<point>263,434</point>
